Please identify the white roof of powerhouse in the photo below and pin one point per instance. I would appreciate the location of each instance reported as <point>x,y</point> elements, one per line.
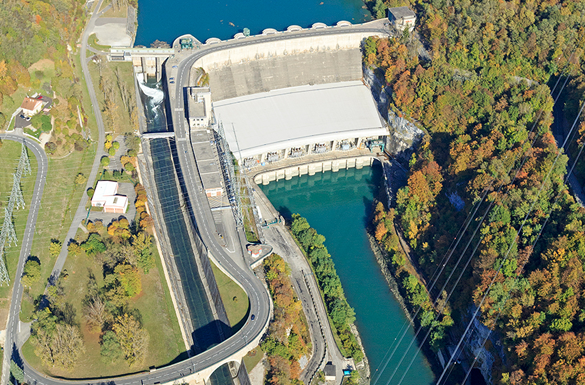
<point>297,116</point>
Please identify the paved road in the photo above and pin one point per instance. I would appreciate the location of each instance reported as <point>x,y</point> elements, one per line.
<point>307,290</point>
<point>260,302</point>
<point>27,240</point>
<point>81,212</point>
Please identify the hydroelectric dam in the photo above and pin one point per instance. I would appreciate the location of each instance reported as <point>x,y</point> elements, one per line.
<point>279,100</point>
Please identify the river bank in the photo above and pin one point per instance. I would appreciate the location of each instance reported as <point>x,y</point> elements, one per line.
<point>339,205</point>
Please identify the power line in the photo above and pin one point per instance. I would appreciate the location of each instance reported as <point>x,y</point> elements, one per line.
<point>455,243</point>
<point>511,246</point>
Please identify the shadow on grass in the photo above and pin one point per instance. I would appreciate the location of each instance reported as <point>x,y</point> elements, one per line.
<point>243,321</point>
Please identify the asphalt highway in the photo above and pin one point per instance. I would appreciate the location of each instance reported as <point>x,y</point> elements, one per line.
<point>27,240</point>
<point>260,302</point>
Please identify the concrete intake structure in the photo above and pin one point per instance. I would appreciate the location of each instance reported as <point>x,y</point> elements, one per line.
<point>358,162</point>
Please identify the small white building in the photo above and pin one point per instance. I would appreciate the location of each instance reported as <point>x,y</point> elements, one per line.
<point>199,107</point>
<point>106,196</point>
<point>402,18</point>
<point>254,250</point>
<point>31,106</point>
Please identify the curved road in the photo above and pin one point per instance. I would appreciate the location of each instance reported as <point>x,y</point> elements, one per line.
<point>27,240</point>
<point>260,302</point>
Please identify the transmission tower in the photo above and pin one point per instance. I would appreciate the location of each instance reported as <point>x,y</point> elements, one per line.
<point>16,195</point>
<point>24,161</point>
<point>8,234</point>
<point>229,176</point>
<point>244,189</point>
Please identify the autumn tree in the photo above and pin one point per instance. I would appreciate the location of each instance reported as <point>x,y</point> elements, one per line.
<point>133,339</point>
<point>31,273</point>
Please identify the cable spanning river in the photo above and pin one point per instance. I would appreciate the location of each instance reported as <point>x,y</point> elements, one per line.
<point>337,205</point>
<point>167,20</point>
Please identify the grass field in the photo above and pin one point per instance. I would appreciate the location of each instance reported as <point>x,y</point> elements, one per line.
<point>253,358</point>
<point>60,198</point>
<point>234,299</point>
<point>10,153</point>
<point>157,315</point>
<point>58,205</point>
<point>122,120</point>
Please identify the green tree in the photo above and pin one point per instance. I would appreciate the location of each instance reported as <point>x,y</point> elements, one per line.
<point>31,273</point>
<point>105,161</point>
<point>129,278</point>
<point>54,248</point>
<point>93,245</point>
<point>16,372</point>
<point>110,348</point>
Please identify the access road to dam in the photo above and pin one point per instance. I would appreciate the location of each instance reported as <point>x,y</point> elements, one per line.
<point>203,364</point>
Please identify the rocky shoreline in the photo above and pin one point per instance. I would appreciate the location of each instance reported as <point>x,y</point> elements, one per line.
<point>362,367</point>
<point>384,261</point>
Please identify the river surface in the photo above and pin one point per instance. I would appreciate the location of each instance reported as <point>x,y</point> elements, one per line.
<point>167,20</point>
<point>337,205</point>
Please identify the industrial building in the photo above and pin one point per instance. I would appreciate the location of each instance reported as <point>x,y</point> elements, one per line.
<point>297,121</point>
<point>402,18</point>
<point>199,107</point>
<point>106,196</point>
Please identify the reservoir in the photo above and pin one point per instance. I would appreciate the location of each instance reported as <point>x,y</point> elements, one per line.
<point>168,20</point>
<point>338,206</point>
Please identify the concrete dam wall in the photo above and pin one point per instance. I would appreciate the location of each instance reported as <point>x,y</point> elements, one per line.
<point>285,47</point>
<point>271,73</point>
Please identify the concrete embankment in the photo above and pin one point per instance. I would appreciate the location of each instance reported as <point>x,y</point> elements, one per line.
<point>265,176</point>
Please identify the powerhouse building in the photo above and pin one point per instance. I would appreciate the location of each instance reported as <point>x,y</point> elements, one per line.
<point>297,121</point>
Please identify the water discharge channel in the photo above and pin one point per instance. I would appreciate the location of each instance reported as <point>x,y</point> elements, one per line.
<point>206,329</point>
<point>338,205</point>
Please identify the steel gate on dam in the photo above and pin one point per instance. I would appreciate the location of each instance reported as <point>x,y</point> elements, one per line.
<point>207,315</point>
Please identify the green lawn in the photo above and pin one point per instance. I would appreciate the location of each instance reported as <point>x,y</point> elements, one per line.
<point>234,299</point>
<point>158,317</point>
<point>58,206</point>
<point>10,153</point>
<point>92,41</point>
<point>253,357</point>
<point>60,200</point>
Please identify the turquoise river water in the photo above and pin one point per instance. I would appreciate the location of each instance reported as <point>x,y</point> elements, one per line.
<point>168,20</point>
<point>337,205</point>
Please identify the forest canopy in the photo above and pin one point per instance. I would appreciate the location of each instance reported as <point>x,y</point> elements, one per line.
<point>485,99</point>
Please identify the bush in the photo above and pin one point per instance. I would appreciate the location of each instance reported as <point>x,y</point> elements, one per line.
<point>90,191</point>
